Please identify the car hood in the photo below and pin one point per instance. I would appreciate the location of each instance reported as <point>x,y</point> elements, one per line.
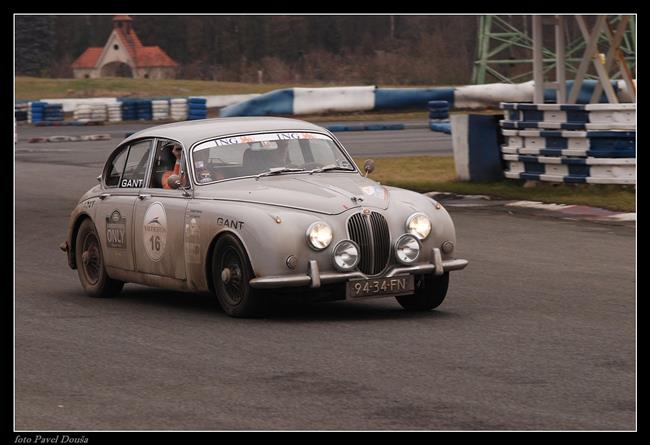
<point>329,193</point>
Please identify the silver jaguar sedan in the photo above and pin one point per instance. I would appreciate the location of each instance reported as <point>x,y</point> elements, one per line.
<point>245,207</point>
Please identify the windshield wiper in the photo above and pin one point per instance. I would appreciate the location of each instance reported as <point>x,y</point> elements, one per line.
<point>278,170</point>
<point>329,167</point>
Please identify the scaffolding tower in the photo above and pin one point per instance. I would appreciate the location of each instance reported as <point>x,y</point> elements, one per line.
<point>508,52</point>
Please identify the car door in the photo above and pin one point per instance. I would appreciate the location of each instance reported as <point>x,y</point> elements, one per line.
<point>123,177</point>
<point>159,223</point>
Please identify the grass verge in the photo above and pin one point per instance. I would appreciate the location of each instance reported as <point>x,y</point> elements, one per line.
<point>429,173</point>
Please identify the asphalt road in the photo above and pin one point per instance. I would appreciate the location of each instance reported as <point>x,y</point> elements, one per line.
<point>537,333</point>
<point>410,142</point>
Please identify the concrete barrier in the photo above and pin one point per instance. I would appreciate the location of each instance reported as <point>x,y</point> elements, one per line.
<point>476,141</point>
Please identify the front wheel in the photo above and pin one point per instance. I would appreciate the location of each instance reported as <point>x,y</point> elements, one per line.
<point>231,273</point>
<point>430,292</point>
<point>90,264</point>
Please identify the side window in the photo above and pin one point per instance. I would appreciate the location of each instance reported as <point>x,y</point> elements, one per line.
<point>167,161</point>
<point>136,165</point>
<point>115,168</point>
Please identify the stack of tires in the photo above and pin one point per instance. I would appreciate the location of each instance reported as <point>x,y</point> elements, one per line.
<point>144,111</point>
<point>114,112</point>
<point>21,111</point>
<point>129,112</point>
<point>53,113</point>
<point>571,143</point>
<point>36,112</point>
<point>82,113</point>
<point>438,110</point>
<point>178,109</point>
<point>160,109</point>
<point>197,108</point>
<point>98,113</point>
<point>439,116</point>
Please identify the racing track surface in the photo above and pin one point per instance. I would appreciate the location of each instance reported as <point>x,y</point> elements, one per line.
<point>537,333</point>
<point>410,142</point>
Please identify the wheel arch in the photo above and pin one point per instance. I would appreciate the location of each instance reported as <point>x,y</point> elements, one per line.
<point>72,258</point>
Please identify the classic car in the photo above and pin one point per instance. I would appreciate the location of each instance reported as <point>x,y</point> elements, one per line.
<point>240,207</point>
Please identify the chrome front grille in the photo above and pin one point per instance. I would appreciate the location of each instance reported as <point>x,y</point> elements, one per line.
<point>371,233</point>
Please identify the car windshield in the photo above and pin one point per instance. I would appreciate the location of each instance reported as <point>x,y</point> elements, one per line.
<point>267,154</point>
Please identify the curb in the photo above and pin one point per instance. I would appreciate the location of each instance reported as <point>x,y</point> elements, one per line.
<point>86,137</point>
<point>564,211</point>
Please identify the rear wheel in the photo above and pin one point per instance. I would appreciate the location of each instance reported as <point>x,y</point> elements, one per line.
<point>231,274</point>
<point>90,264</point>
<point>430,292</point>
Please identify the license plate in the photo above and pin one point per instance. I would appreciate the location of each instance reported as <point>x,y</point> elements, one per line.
<point>374,287</point>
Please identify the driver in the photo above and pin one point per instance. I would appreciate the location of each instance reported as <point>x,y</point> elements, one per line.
<point>177,151</point>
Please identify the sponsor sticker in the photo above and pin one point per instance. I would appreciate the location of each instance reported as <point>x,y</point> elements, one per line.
<point>116,230</point>
<point>131,183</point>
<point>155,231</point>
<point>192,239</point>
<point>233,224</point>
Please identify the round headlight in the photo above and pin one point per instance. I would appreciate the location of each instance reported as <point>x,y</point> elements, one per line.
<point>345,255</point>
<point>407,249</point>
<point>418,225</point>
<point>319,235</point>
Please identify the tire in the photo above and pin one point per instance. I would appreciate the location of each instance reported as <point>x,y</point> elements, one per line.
<point>90,264</point>
<point>231,273</point>
<point>430,292</point>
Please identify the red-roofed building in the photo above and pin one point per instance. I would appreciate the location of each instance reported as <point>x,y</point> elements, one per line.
<point>123,55</point>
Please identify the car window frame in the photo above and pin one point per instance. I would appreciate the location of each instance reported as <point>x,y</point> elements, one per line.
<point>329,135</point>
<point>112,157</point>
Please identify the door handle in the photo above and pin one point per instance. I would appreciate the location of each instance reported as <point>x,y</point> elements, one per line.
<point>143,196</point>
<point>104,196</point>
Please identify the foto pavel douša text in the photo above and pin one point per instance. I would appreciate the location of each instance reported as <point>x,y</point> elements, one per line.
<point>50,438</point>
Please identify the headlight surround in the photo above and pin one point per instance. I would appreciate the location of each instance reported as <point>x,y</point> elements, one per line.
<point>345,255</point>
<point>418,225</point>
<point>407,249</point>
<point>319,235</point>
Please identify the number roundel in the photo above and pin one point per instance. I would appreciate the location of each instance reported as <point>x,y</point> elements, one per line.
<point>155,231</point>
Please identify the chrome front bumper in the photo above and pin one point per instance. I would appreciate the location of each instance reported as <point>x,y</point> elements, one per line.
<point>315,279</point>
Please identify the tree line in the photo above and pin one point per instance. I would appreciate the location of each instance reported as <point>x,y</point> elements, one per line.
<point>377,49</point>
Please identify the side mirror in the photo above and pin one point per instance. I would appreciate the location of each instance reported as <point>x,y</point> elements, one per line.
<point>174,181</point>
<point>369,166</point>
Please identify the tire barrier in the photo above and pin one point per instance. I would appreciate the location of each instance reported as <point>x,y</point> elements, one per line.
<point>36,112</point>
<point>53,112</point>
<point>596,143</point>
<point>143,110</point>
<point>439,116</point>
<point>86,137</point>
<point>21,111</point>
<point>136,109</point>
<point>114,112</point>
<point>196,108</point>
<point>178,109</point>
<point>90,113</point>
<point>160,109</point>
